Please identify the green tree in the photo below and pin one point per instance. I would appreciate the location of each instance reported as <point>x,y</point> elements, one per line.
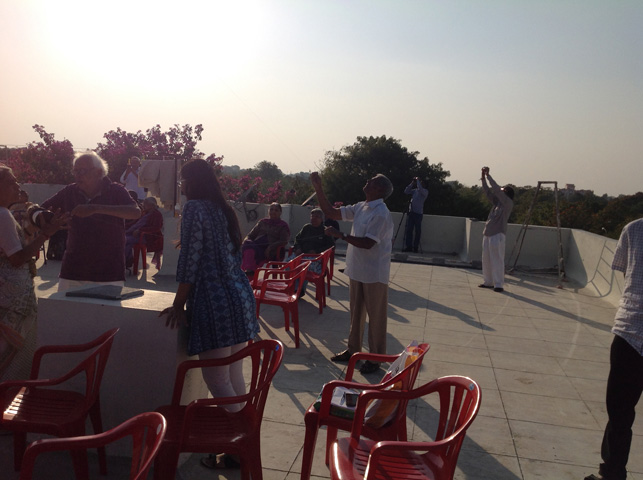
<point>345,171</point>
<point>618,213</point>
<point>269,172</point>
<point>469,202</point>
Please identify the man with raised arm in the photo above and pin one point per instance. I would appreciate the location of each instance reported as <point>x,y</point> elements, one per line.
<point>495,231</point>
<point>368,263</point>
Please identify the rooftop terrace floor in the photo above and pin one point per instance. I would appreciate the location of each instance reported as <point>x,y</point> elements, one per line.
<point>539,353</point>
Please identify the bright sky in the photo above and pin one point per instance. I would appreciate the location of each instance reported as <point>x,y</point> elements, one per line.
<point>536,90</point>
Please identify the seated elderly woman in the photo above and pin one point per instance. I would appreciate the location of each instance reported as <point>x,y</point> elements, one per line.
<point>147,229</point>
<point>265,240</point>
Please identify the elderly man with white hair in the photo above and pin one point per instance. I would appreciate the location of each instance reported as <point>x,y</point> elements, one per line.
<point>368,263</point>
<point>95,252</point>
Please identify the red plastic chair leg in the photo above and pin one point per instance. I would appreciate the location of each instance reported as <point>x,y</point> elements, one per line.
<point>309,446</point>
<point>143,251</point>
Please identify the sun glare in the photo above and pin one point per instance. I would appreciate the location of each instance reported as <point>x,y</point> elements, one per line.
<point>159,45</point>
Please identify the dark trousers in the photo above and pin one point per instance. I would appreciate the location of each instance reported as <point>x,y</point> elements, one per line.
<point>413,222</point>
<point>624,386</point>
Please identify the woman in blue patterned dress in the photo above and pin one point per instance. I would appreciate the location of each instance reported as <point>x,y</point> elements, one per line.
<point>214,296</point>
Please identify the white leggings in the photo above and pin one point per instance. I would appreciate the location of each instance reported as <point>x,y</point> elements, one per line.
<point>225,381</point>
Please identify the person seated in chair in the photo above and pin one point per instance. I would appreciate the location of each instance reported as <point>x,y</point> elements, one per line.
<point>265,241</point>
<point>147,230</point>
<point>311,238</point>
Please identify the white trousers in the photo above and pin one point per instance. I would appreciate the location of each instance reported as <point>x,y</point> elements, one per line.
<point>225,381</point>
<point>493,260</point>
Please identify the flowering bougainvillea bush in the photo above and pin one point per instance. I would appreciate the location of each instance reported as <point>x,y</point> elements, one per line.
<point>50,160</point>
<point>47,161</point>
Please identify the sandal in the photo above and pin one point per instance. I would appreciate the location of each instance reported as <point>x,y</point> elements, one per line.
<point>219,461</point>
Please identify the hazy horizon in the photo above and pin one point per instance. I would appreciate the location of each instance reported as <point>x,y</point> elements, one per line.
<point>538,91</point>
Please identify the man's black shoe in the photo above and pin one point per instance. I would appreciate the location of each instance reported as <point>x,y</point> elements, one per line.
<point>369,367</point>
<point>344,356</point>
<point>482,285</point>
<point>499,289</point>
<point>406,249</point>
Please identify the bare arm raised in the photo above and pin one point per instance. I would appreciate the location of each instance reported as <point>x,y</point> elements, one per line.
<point>324,204</point>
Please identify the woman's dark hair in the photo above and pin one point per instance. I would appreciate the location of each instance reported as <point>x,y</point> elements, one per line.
<point>201,183</point>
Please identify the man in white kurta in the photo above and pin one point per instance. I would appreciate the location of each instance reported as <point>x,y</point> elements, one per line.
<point>495,230</point>
<point>368,264</point>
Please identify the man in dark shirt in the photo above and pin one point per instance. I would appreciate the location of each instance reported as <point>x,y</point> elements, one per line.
<point>96,238</point>
<point>311,238</point>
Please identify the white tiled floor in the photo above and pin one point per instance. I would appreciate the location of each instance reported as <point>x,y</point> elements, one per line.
<point>539,353</point>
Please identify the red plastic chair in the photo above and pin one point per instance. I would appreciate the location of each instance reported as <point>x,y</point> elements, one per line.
<point>273,271</point>
<point>147,431</point>
<point>319,279</point>
<point>30,406</point>
<point>140,248</point>
<point>205,426</point>
<point>393,430</point>
<point>354,458</point>
<point>284,293</point>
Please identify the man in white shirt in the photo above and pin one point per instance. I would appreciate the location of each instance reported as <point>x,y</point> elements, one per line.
<point>625,380</point>
<point>368,263</point>
<point>129,178</point>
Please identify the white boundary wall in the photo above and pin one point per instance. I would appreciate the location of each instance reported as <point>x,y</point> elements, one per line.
<point>588,257</point>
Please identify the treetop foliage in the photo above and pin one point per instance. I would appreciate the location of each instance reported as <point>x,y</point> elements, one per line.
<point>344,173</point>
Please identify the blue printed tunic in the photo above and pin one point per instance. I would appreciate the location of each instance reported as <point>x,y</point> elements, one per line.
<point>221,304</point>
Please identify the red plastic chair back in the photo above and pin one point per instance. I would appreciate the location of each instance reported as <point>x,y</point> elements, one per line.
<point>459,403</point>
<point>93,366</point>
<point>30,406</point>
<point>394,429</point>
<point>273,270</point>
<point>319,279</point>
<point>205,426</point>
<point>284,293</point>
<point>146,430</point>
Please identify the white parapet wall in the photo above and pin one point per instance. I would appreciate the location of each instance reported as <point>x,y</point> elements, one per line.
<point>588,257</point>
<point>589,262</point>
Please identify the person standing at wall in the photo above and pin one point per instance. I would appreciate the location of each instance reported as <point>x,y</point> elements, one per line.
<point>495,231</point>
<point>415,214</point>
<point>129,178</point>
